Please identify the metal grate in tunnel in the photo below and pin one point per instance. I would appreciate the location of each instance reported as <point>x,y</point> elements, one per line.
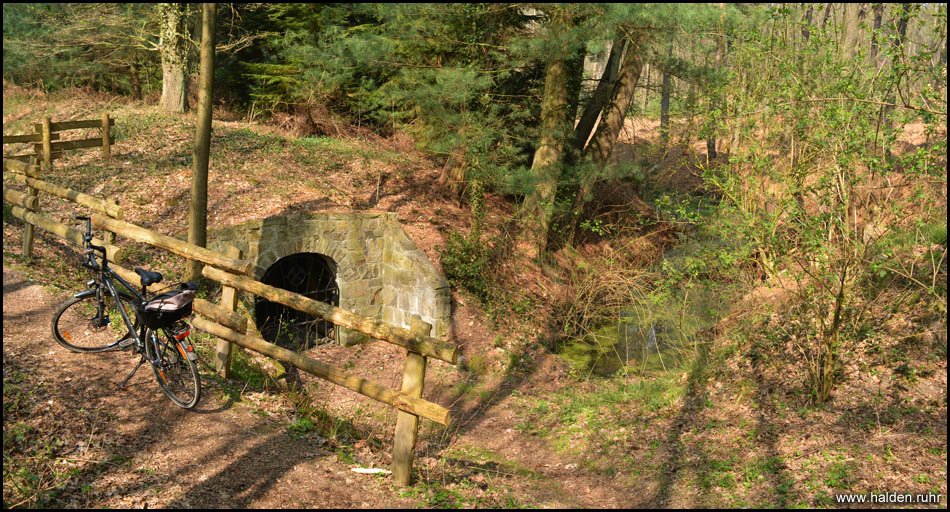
<point>311,275</point>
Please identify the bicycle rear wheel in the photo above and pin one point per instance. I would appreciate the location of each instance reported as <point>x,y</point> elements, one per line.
<point>83,324</point>
<point>175,371</point>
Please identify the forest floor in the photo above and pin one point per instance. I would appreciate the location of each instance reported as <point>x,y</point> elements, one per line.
<point>527,431</point>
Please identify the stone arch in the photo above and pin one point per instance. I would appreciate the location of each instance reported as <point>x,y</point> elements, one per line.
<point>309,274</point>
<point>380,272</point>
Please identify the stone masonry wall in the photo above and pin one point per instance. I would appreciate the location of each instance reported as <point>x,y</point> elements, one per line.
<point>379,270</point>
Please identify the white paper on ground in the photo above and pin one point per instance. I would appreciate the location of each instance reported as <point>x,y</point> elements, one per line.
<point>371,471</point>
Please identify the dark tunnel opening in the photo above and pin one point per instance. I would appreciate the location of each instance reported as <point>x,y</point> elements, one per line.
<point>311,275</point>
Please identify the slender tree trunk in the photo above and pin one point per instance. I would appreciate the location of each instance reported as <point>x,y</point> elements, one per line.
<point>858,33</point>
<point>574,83</point>
<point>615,111</point>
<point>596,103</point>
<point>824,19</point>
<point>940,83</point>
<point>136,81</point>
<point>878,9</point>
<point>198,218</point>
<point>555,127</point>
<point>646,87</point>
<point>887,112</point>
<point>174,51</point>
<point>715,103</point>
<point>665,97</point>
<point>806,25</point>
<point>452,176</point>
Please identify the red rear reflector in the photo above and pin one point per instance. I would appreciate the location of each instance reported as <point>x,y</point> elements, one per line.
<point>182,336</point>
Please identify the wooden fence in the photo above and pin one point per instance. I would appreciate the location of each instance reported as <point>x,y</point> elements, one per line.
<point>45,150</point>
<point>222,321</point>
<point>46,132</point>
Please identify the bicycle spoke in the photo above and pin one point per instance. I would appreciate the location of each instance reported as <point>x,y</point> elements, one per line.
<point>82,326</point>
<point>176,374</point>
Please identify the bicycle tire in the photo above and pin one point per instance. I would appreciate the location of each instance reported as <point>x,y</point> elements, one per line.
<point>78,326</point>
<point>175,372</point>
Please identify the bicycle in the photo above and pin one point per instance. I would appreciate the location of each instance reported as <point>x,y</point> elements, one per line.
<point>151,326</point>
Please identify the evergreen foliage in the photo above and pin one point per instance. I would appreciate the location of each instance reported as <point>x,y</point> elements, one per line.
<point>73,45</point>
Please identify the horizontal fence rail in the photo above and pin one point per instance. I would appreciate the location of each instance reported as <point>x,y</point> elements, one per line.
<point>113,253</point>
<point>20,198</point>
<point>365,387</point>
<point>170,244</point>
<point>19,164</point>
<point>30,137</point>
<point>47,131</point>
<point>72,125</point>
<point>59,147</point>
<point>107,206</point>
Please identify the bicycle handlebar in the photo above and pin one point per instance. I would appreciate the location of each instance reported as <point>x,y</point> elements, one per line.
<point>87,241</point>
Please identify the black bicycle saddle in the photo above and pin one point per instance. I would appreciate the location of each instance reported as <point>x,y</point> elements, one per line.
<point>148,278</point>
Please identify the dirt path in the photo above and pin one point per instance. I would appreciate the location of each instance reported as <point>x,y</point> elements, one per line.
<point>133,448</point>
<point>141,451</point>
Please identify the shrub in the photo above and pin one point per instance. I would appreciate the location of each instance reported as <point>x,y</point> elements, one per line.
<point>465,261</point>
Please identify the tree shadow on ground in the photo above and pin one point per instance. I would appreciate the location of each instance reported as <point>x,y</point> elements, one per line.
<point>696,397</point>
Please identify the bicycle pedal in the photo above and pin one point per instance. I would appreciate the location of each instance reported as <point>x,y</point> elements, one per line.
<point>126,344</point>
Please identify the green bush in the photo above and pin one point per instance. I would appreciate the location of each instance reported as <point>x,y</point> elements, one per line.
<point>466,263</point>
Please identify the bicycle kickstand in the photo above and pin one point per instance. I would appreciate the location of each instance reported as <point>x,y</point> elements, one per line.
<point>122,385</point>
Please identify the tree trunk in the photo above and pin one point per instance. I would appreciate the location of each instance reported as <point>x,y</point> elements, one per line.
<point>715,103</point>
<point>849,29</point>
<point>136,81</point>
<point>888,111</point>
<point>665,97</point>
<point>806,25</point>
<point>198,213</point>
<point>555,127</point>
<point>574,83</point>
<point>824,19</point>
<point>453,172</point>
<point>611,124</point>
<point>878,9</point>
<point>596,103</point>
<point>172,45</point>
<point>646,87</point>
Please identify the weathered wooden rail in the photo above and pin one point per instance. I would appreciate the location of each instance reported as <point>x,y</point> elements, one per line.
<point>222,321</point>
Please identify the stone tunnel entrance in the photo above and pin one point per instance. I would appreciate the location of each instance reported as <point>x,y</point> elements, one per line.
<point>360,262</point>
<point>309,274</point>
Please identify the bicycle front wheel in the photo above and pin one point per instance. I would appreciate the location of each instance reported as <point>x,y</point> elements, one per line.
<point>175,372</point>
<point>84,324</point>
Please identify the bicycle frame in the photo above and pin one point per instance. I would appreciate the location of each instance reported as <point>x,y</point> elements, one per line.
<point>105,278</point>
<point>154,338</point>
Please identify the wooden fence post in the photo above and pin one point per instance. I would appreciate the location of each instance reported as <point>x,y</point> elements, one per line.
<point>32,196</point>
<point>106,150</point>
<point>109,236</point>
<point>407,425</point>
<point>47,145</point>
<point>229,299</point>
